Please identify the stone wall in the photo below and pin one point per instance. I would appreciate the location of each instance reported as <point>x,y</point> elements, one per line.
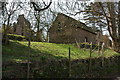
<point>83,36</point>
<point>98,61</point>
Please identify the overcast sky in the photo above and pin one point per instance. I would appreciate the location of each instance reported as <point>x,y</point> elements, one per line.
<point>54,7</point>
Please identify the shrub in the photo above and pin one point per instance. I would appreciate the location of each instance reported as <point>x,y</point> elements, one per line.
<point>16,37</point>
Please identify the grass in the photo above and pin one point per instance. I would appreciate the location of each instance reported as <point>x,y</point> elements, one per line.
<point>19,50</point>
<point>50,58</point>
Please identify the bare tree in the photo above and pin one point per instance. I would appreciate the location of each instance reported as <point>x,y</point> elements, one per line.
<point>110,12</point>
<point>49,17</point>
<point>119,20</point>
<point>93,19</point>
<point>9,11</point>
<point>37,12</point>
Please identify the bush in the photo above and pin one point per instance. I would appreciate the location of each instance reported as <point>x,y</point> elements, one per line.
<point>16,37</point>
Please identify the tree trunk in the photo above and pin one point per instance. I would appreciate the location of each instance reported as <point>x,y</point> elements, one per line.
<point>116,45</point>
<point>39,36</point>
<point>39,31</point>
<point>47,38</point>
<point>6,38</point>
<point>119,20</point>
<point>113,28</point>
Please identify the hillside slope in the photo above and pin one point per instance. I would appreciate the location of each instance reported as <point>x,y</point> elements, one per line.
<point>19,50</point>
<point>50,60</point>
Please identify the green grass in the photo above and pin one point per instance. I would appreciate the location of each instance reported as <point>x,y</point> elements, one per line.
<point>52,58</point>
<point>19,50</point>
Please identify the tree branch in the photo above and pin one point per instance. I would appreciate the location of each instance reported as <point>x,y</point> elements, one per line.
<point>106,19</point>
<point>93,11</point>
<point>37,8</point>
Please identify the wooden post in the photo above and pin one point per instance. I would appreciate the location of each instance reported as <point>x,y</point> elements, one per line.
<point>102,54</point>
<point>109,62</point>
<point>69,64</point>
<point>89,67</point>
<point>85,45</point>
<point>99,48</point>
<point>77,43</point>
<point>28,66</point>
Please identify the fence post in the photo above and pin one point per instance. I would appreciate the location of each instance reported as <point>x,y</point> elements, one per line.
<point>89,67</point>
<point>69,64</point>
<point>102,54</point>
<point>77,43</point>
<point>109,62</point>
<point>28,63</point>
<point>85,45</point>
<point>99,48</point>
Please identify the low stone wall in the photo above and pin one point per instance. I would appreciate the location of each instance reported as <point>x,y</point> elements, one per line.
<point>98,61</point>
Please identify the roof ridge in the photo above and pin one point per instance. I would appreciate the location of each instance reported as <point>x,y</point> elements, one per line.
<point>79,22</point>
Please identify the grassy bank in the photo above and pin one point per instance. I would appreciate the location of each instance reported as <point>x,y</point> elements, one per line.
<point>19,50</point>
<point>47,58</point>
